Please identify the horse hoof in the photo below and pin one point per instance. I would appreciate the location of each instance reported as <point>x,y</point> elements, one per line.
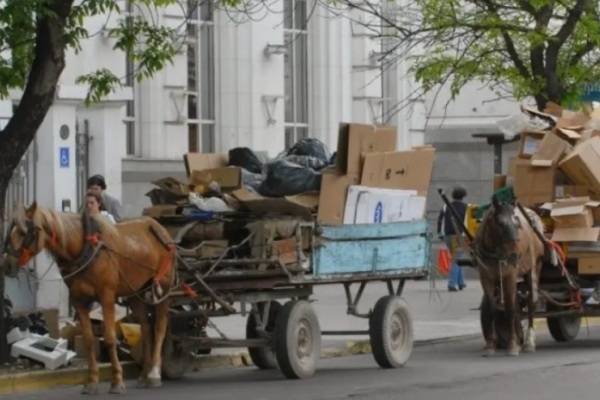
<point>153,383</point>
<point>488,353</point>
<point>116,389</point>
<point>142,383</point>
<point>90,388</point>
<point>513,352</point>
<point>529,349</point>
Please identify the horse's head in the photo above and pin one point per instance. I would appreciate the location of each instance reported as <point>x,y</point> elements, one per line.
<point>24,239</point>
<point>506,223</point>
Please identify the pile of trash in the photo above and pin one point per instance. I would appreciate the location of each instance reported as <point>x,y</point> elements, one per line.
<point>30,340</point>
<point>214,179</point>
<point>292,172</point>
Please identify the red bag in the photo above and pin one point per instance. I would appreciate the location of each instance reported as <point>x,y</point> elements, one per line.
<point>444,261</point>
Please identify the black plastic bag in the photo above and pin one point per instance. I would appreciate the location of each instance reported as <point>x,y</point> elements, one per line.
<point>251,180</point>
<point>283,178</point>
<point>245,158</point>
<point>333,158</point>
<point>307,161</point>
<point>310,147</point>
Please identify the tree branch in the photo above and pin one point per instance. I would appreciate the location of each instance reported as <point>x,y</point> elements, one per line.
<point>48,64</point>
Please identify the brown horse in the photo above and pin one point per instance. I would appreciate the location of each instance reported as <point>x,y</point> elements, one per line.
<point>505,248</point>
<point>100,261</point>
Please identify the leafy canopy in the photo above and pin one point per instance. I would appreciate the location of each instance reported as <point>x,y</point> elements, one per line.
<point>542,48</point>
<point>149,45</point>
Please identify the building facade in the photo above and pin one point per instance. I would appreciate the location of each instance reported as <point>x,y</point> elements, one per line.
<point>262,78</point>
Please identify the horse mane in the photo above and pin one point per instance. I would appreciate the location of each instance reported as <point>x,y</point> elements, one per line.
<point>65,224</point>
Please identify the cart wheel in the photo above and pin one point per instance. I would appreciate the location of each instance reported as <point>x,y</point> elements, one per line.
<point>263,357</point>
<point>391,332</point>
<point>501,325</point>
<point>175,358</point>
<point>564,329</point>
<point>203,352</point>
<point>297,339</point>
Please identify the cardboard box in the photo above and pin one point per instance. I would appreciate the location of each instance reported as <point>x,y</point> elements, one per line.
<point>366,205</point>
<point>576,235</point>
<point>302,205</point>
<point>550,150</point>
<point>408,170</point>
<point>532,185</point>
<point>201,161</point>
<point>228,178</point>
<point>355,140</point>
<point>576,212</point>
<point>332,198</point>
<point>582,164</point>
<point>530,143</point>
<point>173,186</point>
<point>587,263</point>
<point>161,210</point>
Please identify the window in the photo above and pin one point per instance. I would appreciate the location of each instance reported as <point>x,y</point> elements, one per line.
<point>296,71</point>
<point>201,76</point>
<point>129,81</point>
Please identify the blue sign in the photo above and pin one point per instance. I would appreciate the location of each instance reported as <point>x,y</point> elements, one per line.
<point>591,92</point>
<point>64,157</point>
<point>378,216</point>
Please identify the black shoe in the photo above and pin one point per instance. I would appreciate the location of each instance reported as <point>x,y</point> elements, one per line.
<point>461,287</point>
<point>452,289</point>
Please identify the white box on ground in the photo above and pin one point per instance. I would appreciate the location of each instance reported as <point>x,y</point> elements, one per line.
<point>365,205</point>
<point>52,353</point>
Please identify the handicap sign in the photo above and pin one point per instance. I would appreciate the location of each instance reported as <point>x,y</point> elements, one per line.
<point>64,157</point>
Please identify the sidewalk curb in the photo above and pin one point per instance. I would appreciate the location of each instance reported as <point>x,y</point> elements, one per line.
<point>35,380</point>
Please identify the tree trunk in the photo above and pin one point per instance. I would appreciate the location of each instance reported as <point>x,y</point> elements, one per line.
<point>4,354</point>
<point>39,93</point>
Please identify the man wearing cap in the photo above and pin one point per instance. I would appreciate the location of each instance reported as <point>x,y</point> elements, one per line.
<point>96,184</point>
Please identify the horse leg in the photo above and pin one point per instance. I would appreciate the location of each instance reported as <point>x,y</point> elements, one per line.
<point>140,310</point>
<point>509,284</point>
<point>529,342</point>
<point>161,316</point>
<point>91,387</point>
<point>107,301</point>
<point>487,320</point>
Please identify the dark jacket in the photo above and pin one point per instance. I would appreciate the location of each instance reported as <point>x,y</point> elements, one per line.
<point>446,218</point>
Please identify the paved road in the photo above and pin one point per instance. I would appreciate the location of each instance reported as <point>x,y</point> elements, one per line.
<point>437,313</point>
<point>451,371</point>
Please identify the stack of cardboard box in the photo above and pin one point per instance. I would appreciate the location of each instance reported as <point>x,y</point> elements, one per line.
<point>371,176</point>
<point>557,173</point>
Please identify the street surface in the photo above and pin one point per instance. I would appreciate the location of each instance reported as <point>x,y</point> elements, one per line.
<point>437,313</point>
<point>448,371</point>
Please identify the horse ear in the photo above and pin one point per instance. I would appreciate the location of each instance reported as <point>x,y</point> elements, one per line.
<point>32,209</point>
<point>495,202</point>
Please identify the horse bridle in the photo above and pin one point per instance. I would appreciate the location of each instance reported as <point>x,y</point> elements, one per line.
<point>30,237</point>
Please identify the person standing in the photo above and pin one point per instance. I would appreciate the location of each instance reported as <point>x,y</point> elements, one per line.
<point>96,184</point>
<point>447,229</point>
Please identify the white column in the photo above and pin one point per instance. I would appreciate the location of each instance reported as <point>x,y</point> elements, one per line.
<point>56,181</point>
<point>245,75</point>
<point>330,78</point>
<point>107,135</point>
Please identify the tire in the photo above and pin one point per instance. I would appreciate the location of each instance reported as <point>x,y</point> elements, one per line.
<point>297,321</point>
<point>263,357</point>
<point>563,329</point>
<point>175,359</point>
<point>391,332</point>
<point>501,325</point>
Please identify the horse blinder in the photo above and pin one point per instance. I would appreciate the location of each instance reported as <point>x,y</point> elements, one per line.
<point>30,237</point>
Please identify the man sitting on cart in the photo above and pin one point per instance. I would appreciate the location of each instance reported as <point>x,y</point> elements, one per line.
<point>448,230</point>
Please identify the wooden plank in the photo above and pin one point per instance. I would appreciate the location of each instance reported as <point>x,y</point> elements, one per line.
<point>374,231</point>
